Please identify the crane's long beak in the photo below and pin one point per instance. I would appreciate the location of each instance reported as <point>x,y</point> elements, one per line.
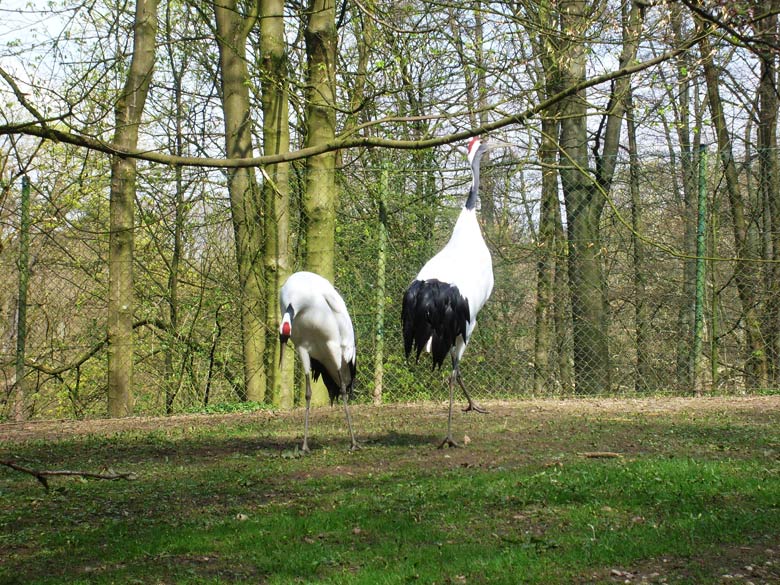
<point>282,345</point>
<point>492,144</point>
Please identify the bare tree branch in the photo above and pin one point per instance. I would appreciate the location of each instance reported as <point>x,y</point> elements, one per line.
<point>22,98</point>
<point>33,129</point>
<point>751,42</point>
<point>91,352</point>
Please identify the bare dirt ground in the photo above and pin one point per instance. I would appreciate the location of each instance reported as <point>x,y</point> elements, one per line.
<point>531,410</point>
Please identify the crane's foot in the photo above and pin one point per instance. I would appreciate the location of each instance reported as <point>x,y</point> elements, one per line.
<point>475,407</point>
<point>355,446</point>
<point>449,442</point>
<point>305,448</point>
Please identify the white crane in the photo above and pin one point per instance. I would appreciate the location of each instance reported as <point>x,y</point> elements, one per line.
<point>315,317</point>
<point>440,306</point>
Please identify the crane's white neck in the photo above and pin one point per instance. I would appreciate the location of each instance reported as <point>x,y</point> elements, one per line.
<point>471,201</point>
<point>466,228</point>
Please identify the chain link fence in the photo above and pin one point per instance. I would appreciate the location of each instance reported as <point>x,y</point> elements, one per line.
<point>662,327</point>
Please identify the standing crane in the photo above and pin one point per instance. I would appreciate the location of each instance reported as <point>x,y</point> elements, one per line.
<point>315,317</point>
<point>440,307</point>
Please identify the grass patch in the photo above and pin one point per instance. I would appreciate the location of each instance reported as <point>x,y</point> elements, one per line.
<point>217,500</point>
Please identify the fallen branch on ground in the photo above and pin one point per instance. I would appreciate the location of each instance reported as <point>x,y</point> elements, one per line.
<point>42,474</point>
<point>601,455</point>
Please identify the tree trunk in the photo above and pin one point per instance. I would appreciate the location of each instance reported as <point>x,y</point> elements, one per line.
<point>381,293</point>
<point>562,309</point>
<point>19,410</point>
<point>129,109</point>
<point>755,352</point>
<point>584,194</point>
<point>697,355</point>
<point>173,379</point>
<point>320,188</point>
<point>586,280</point>
<point>276,191</point>
<point>681,98</point>
<point>547,261</point>
<point>641,312</point>
<point>245,200</point>
<point>551,310</point>
<point>769,181</point>
<point>584,205</point>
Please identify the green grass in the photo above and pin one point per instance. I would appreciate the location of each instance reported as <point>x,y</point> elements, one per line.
<point>226,503</point>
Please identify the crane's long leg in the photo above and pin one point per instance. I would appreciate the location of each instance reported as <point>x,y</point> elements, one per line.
<point>345,398</point>
<point>472,405</point>
<point>305,447</point>
<point>448,440</point>
<point>456,375</point>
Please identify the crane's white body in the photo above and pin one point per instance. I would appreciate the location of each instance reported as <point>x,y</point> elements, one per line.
<point>315,318</point>
<point>466,263</point>
<point>323,329</point>
<point>441,305</point>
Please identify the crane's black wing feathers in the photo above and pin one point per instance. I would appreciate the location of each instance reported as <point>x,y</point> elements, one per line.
<point>433,310</point>
<point>334,390</point>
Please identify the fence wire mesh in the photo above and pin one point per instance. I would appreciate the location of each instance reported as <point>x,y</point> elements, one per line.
<point>613,313</point>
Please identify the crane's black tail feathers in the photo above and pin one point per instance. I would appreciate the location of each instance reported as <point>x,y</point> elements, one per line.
<point>433,310</point>
<point>334,389</point>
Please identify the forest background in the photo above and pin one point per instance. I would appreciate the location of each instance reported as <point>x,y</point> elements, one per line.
<point>165,166</point>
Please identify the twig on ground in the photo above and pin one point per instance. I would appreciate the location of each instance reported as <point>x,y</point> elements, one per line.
<point>601,455</point>
<point>42,474</point>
